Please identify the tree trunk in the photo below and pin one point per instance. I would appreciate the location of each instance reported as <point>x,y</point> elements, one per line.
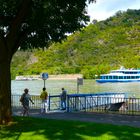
<point>9,44</point>
<point>5,86</point>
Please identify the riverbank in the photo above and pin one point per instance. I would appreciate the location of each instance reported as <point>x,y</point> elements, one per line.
<point>51,77</point>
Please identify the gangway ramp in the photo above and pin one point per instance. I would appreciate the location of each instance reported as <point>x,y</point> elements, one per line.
<point>83,102</point>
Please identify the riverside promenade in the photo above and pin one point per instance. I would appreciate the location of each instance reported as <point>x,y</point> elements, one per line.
<point>116,119</point>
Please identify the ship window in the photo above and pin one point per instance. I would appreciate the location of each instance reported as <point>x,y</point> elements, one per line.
<point>115,77</point>
<point>102,77</point>
<point>128,77</point>
<point>106,77</point>
<point>110,77</point>
<point>120,77</point>
<point>134,72</point>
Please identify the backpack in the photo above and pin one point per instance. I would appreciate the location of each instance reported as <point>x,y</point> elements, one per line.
<point>22,98</point>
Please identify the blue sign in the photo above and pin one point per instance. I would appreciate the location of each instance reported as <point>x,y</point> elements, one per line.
<point>45,76</point>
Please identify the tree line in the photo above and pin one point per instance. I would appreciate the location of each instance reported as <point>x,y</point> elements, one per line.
<point>96,49</point>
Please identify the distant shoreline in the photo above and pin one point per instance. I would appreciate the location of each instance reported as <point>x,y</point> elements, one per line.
<point>51,77</point>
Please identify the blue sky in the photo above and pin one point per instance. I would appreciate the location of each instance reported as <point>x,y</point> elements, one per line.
<point>103,9</point>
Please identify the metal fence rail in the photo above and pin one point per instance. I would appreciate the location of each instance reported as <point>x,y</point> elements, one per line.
<point>88,103</point>
<point>101,104</point>
<point>53,102</point>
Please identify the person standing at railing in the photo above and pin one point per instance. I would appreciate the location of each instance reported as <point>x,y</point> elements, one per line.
<point>24,99</point>
<point>44,97</point>
<point>63,97</point>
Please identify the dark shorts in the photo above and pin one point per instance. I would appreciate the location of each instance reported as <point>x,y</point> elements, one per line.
<point>25,107</point>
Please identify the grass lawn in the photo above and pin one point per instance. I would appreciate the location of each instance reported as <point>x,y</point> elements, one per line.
<point>24,128</point>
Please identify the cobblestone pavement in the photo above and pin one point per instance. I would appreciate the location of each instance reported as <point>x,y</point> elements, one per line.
<point>88,117</point>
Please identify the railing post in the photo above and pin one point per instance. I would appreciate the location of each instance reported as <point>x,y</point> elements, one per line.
<point>49,103</point>
<point>132,106</point>
<point>97,103</point>
<point>85,104</point>
<point>67,104</point>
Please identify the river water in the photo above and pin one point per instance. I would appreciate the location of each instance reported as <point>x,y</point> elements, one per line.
<point>89,86</point>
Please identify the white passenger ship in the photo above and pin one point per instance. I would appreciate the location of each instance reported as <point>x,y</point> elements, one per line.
<point>120,75</point>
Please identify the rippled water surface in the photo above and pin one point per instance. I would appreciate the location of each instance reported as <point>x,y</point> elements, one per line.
<point>89,86</point>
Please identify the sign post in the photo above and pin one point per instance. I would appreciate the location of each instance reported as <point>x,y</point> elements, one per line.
<point>79,82</point>
<point>44,77</point>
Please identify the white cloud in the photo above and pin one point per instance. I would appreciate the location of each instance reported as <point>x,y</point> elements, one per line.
<point>103,9</point>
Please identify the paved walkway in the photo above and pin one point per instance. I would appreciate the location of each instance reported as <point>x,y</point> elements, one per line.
<point>88,117</point>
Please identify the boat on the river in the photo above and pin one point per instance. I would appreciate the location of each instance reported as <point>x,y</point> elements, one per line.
<point>120,75</point>
<point>28,78</point>
<point>50,77</point>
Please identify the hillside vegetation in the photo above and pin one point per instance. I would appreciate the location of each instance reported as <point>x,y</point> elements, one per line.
<point>96,49</point>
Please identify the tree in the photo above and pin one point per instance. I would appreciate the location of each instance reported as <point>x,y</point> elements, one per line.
<point>29,24</point>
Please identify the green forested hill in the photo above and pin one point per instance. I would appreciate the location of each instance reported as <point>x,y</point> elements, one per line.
<point>96,49</point>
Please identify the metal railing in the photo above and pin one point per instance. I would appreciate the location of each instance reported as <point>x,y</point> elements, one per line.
<point>53,102</point>
<point>92,103</point>
<point>87,103</point>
